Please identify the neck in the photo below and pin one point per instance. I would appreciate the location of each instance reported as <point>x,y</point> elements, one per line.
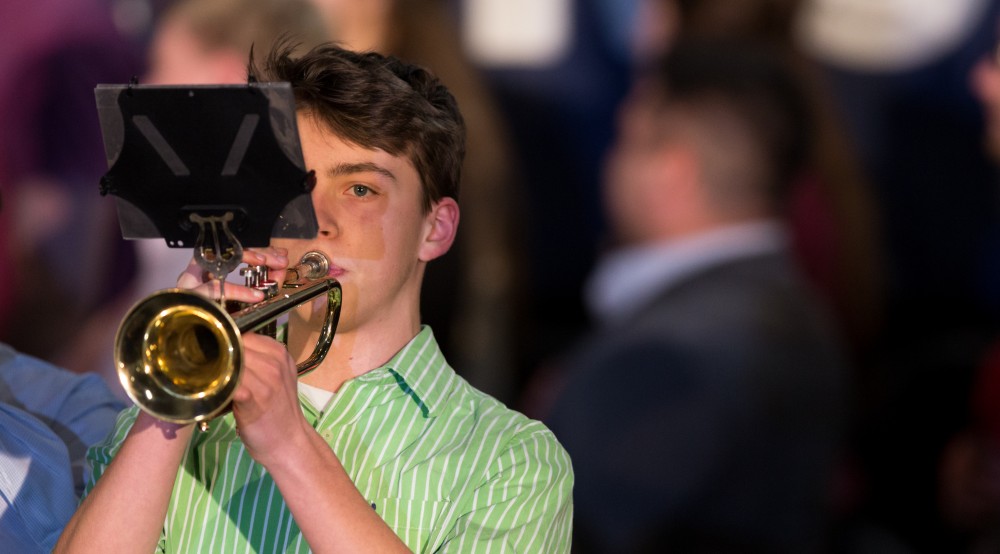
<point>354,351</point>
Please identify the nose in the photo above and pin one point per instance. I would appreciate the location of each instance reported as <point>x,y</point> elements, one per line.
<point>327,224</point>
<point>325,216</point>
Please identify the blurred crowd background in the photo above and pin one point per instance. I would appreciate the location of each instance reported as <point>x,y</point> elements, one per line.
<point>897,226</point>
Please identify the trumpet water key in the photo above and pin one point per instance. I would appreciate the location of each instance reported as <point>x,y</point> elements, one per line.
<point>179,355</point>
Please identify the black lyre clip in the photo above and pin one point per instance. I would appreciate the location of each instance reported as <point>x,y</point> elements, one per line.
<point>224,253</point>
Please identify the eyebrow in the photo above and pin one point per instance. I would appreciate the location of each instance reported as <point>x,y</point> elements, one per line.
<point>363,167</point>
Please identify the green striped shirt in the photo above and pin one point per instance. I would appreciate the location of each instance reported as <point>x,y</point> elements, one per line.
<point>448,468</point>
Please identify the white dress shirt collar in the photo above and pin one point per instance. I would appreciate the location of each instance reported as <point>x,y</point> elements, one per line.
<point>627,279</point>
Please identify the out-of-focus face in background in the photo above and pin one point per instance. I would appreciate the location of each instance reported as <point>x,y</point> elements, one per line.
<point>178,56</point>
<point>986,87</point>
<point>634,174</point>
<point>357,24</point>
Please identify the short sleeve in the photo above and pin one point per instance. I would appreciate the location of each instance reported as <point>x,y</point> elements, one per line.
<point>525,505</point>
<point>99,456</point>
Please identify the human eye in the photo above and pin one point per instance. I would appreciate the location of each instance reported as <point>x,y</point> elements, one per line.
<point>361,191</point>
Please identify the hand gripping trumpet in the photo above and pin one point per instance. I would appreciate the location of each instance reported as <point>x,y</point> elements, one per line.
<point>179,355</point>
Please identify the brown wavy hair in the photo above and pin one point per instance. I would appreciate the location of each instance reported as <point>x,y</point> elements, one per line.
<point>377,101</point>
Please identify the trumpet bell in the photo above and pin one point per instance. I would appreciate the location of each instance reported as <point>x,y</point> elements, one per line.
<point>177,355</point>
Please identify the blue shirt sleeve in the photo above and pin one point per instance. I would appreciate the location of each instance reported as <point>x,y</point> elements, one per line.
<point>78,408</point>
<point>36,486</point>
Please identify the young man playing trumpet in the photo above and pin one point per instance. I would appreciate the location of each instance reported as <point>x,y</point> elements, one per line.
<point>383,448</point>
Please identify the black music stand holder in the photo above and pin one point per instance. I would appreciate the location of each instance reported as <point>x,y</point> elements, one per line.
<point>210,167</point>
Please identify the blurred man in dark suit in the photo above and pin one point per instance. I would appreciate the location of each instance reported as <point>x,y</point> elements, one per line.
<point>706,412</point>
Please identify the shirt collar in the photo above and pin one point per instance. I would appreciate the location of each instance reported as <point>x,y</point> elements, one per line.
<point>420,371</point>
<point>626,280</point>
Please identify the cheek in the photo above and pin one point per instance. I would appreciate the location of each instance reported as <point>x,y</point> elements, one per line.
<point>368,239</point>
<point>384,246</point>
<point>985,82</point>
<point>353,230</point>
<point>629,184</point>
<point>616,181</point>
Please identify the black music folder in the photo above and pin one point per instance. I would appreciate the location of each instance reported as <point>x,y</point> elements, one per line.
<point>230,153</point>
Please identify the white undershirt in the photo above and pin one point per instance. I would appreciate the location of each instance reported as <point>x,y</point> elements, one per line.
<point>319,398</point>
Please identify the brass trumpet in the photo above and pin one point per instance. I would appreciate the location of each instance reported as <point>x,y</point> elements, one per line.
<point>179,355</point>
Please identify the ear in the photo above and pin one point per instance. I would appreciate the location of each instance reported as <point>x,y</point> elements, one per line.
<point>441,224</point>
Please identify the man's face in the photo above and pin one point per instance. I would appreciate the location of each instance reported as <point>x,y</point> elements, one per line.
<point>371,225</point>
<point>177,56</point>
<point>633,180</point>
<point>986,87</point>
